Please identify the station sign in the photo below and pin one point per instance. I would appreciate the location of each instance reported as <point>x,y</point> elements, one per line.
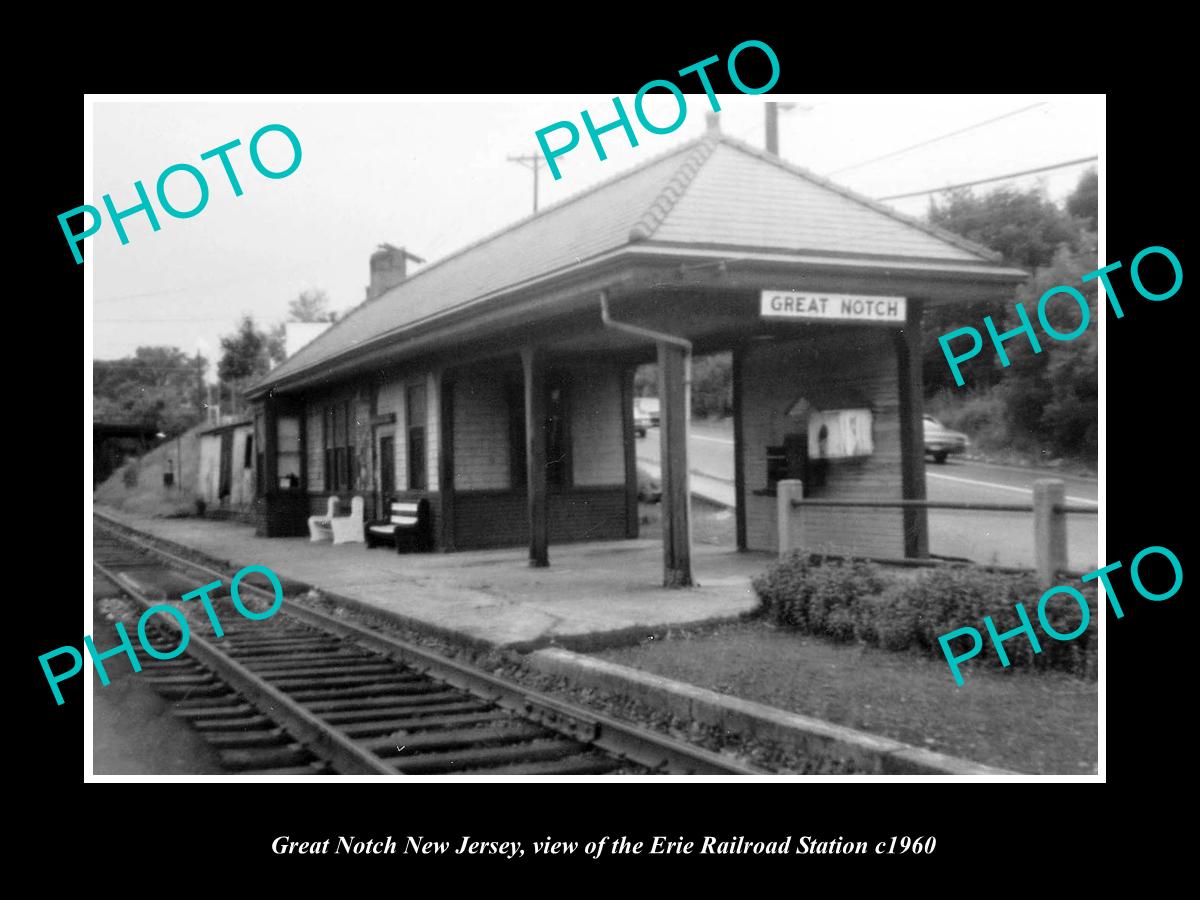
<point>833,307</point>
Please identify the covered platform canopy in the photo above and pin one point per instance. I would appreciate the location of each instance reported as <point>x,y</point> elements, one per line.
<point>679,255</point>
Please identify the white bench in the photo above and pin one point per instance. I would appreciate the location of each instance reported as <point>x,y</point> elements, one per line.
<point>319,527</point>
<point>349,529</point>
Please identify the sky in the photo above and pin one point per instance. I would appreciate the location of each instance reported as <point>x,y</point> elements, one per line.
<point>432,174</point>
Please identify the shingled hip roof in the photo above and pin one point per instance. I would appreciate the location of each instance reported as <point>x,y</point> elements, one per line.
<point>711,193</point>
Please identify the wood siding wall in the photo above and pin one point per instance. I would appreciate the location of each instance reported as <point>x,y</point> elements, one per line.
<point>852,366</point>
<point>481,433</point>
<point>241,484</point>
<point>488,513</point>
<point>501,519</point>
<point>597,444</point>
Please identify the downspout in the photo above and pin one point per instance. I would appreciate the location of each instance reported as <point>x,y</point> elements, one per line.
<point>651,334</point>
<point>647,333</point>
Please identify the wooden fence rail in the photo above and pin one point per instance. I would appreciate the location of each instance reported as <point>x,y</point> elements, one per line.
<point>1049,509</point>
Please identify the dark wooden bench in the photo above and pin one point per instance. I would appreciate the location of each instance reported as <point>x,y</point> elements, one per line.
<point>408,525</point>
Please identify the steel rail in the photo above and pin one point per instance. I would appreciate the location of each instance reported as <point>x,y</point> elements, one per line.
<point>320,738</point>
<point>640,745</point>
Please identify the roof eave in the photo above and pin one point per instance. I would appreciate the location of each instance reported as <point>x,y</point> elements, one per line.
<point>577,272</point>
<point>933,267</point>
<point>644,252</point>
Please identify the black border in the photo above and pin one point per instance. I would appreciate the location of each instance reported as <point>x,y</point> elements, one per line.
<point>992,829</point>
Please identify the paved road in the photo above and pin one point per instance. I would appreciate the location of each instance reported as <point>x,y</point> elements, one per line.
<point>997,538</point>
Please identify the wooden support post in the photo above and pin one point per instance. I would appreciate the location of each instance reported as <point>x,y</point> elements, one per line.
<point>739,445</point>
<point>1049,530</point>
<point>788,516</point>
<point>535,455</point>
<point>674,364</point>
<point>630,445</point>
<point>912,432</point>
<point>445,392</point>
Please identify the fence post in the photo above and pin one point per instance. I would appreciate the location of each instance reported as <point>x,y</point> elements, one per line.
<point>789,518</point>
<point>1049,529</point>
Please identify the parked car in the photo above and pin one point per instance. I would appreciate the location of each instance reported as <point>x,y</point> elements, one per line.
<point>940,441</point>
<point>645,415</point>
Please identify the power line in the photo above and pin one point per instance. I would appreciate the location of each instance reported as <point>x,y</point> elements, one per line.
<point>139,319</point>
<point>950,187</point>
<point>934,140</point>
<point>535,162</point>
<point>742,135</point>
<point>122,366</point>
<point>212,285</point>
<point>142,296</point>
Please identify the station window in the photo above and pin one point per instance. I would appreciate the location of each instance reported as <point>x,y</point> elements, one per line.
<point>339,447</point>
<point>288,457</point>
<point>248,456</point>
<point>416,415</point>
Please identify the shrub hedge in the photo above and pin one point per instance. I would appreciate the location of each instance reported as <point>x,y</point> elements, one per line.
<point>852,600</point>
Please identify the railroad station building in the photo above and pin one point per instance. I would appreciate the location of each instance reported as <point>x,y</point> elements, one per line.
<point>498,382</point>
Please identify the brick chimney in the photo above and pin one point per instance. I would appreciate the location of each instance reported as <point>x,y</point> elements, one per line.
<point>389,267</point>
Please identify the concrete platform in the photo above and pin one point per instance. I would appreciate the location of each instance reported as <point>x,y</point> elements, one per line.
<point>593,594</point>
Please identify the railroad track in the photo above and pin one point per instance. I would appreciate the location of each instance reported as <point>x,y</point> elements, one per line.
<point>308,693</point>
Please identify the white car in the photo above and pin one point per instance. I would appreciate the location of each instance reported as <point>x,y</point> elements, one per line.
<point>940,441</point>
<point>646,415</point>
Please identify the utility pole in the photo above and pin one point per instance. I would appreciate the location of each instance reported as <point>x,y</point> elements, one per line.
<point>773,123</point>
<point>534,162</point>
<point>203,387</point>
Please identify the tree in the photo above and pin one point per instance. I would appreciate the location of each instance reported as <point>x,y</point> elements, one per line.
<point>712,385</point>
<point>245,353</point>
<point>1051,403</point>
<point>158,387</point>
<point>645,380</point>
<point>1042,405</point>
<point>1084,201</point>
<point>277,343</point>
<point>311,306</point>
<point>1025,227</point>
